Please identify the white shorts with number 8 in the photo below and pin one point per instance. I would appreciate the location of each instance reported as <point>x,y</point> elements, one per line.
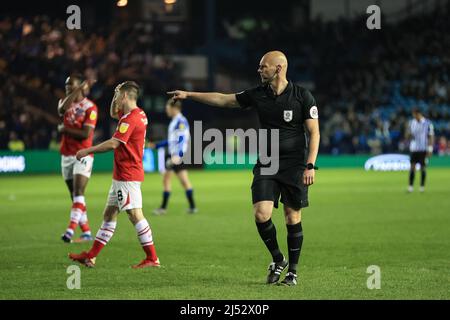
<point>125,195</point>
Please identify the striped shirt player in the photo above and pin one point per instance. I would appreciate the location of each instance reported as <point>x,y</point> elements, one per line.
<point>128,173</point>
<point>79,115</point>
<point>177,144</point>
<point>421,132</point>
<point>178,136</point>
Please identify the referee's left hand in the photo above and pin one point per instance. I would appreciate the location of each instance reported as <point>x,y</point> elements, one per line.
<point>308,177</point>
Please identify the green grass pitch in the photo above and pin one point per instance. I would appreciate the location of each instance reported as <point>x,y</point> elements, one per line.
<point>355,219</point>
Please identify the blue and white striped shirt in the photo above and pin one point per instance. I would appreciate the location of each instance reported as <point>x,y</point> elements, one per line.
<point>179,135</point>
<point>420,131</point>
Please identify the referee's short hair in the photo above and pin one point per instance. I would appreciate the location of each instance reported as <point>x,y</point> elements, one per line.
<point>175,104</point>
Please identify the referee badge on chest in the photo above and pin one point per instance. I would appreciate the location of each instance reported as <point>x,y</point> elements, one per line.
<point>288,114</point>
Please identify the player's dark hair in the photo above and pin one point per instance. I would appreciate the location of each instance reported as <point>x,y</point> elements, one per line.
<point>131,88</point>
<point>175,104</point>
<point>416,110</point>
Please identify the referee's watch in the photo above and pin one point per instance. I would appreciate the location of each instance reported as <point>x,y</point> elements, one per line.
<point>311,166</point>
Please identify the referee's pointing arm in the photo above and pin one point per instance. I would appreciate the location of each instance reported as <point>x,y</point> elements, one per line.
<point>271,67</point>
<point>211,98</point>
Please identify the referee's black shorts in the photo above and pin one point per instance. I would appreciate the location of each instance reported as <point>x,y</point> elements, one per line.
<point>285,186</point>
<point>419,157</point>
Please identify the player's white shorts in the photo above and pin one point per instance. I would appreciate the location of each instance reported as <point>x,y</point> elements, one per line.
<point>125,195</point>
<point>71,166</point>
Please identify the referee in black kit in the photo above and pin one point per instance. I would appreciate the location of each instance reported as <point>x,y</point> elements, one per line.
<point>291,109</point>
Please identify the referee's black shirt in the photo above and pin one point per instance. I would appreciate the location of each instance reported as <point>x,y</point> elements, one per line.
<point>286,112</point>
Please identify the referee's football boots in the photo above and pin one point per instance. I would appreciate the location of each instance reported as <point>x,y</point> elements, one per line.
<point>275,270</point>
<point>289,280</point>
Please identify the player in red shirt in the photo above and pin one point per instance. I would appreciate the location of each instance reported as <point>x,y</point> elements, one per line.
<point>79,116</point>
<point>125,193</point>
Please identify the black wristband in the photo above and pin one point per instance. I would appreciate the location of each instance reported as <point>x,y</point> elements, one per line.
<point>311,166</point>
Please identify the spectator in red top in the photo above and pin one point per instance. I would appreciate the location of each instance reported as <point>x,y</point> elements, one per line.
<point>443,147</point>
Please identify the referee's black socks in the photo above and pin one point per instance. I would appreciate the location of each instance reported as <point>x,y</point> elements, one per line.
<point>294,242</point>
<point>268,234</point>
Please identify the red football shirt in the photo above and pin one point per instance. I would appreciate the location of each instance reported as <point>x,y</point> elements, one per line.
<point>128,156</point>
<point>83,113</point>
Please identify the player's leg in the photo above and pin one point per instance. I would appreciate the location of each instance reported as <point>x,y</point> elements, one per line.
<point>412,175</point>
<point>67,173</point>
<point>80,174</point>
<point>106,231</point>
<point>67,166</point>
<point>294,242</point>
<point>103,236</point>
<point>69,184</point>
<point>75,216</point>
<point>167,187</point>
<point>186,183</point>
<point>132,204</point>
<point>79,202</point>
<point>423,171</point>
<point>412,171</point>
<point>144,233</point>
